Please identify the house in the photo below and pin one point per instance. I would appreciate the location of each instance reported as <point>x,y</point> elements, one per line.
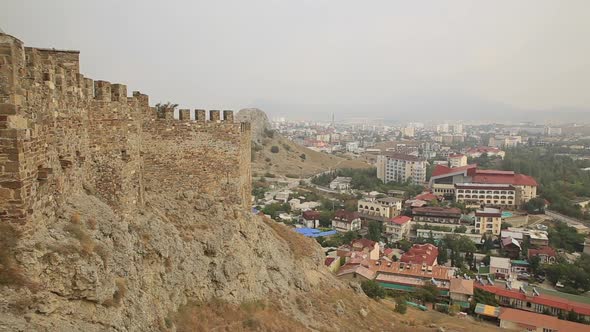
<point>437,214</point>
<point>439,235</point>
<point>457,160</point>
<point>380,209</point>
<point>511,247</point>
<point>341,183</point>
<point>489,151</point>
<point>346,221</point>
<point>500,267</point>
<point>427,196</point>
<point>528,299</point>
<point>488,221</point>
<point>398,275</point>
<point>332,263</point>
<point>421,254</point>
<point>546,254</point>
<point>519,266</point>
<point>520,320</point>
<point>371,248</point>
<point>398,228</point>
<point>311,219</point>
<point>283,196</point>
<point>461,291</point>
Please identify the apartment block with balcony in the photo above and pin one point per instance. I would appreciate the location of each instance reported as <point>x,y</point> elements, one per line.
<point>396,167</point>
<point>477,194</point>
<point>488,221</point>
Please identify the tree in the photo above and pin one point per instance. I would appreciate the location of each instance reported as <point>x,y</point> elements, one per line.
<point>400,305</point>
<point>443,255</point>
<point>375,229</point>
<point>373,289</point>
<point>162,107</point>
<point>565,236</point>
<point>535,264</point>
<point>427,293</point>
<point>488,243</point>
<point>535,205</point>
<point>460,229</point>
<point>405,245</point>
<point>326,218</point>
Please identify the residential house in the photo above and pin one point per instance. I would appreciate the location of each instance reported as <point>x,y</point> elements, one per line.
<point>457,160</point>
<point>488,221</point>
<point>520,320</point>
<point>399,275</point>
<point>371,248</point>
<point>421,254</point>
<point>500,267</point>
<point>332,263</point>
<point>519,266</point>
<point>511,247</point>
<point>346,221</point>
<point>397,228</point>
<point>311,219</point>
<point>380,209</point>
<point>283,196</point>
<point>461,291</point>
<point>437,214</point>
<point>341,184</point>
<point>546,254</point>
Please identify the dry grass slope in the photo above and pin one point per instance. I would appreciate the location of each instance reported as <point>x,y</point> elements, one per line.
<point>294,160</point>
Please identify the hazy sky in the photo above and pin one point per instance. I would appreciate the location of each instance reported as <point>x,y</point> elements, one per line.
<point>325,55</point>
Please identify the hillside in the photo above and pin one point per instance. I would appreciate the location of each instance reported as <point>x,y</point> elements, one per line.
<point>289,159</point>
<point>116,217</point>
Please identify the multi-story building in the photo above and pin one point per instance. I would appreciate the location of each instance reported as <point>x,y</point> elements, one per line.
<point>477,194</point>
<point>437,214</point>
<point>421,254</point>
<point>380,209</point>
<point>395,167</point>
<point>311,219</point>
<point>346,221</point>
<point>398,228</point>
<point>488,221</point>
<point>505,141</point>
<point>457,160</point>
<point>440,235</point>
<point>489,151</point>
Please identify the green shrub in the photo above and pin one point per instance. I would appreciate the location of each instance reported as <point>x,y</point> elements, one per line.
<point>373,289</point>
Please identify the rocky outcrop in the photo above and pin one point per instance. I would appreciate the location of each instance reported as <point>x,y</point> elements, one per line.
<point>260,126</point>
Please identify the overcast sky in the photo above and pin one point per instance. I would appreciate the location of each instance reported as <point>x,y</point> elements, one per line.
<point>325,55</point>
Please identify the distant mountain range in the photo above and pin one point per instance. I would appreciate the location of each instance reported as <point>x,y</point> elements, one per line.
<point>423,109</point>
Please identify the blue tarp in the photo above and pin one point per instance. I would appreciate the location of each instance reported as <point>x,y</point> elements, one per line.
<point>312,232</point>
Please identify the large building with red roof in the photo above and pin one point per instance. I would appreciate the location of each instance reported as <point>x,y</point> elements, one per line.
<point>483,187</point>
<point>421,254</point>
<point>535,301</point>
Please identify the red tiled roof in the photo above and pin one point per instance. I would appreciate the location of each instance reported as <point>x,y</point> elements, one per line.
<point>400,220</point>
<point>365,243</point>
<point>421,254</point>
<point>426,197</point>
<point>442,170</point>
<point>346,215</point>
<point>532,320</point>
<point>542,251</point>
<point>543,299</point>
<point>311,215</point>
<point>504,178</point>
<point>328,261</point>
<point>456,155</point>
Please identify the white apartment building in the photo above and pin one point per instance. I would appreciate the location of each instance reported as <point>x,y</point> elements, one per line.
<point>396,167</point>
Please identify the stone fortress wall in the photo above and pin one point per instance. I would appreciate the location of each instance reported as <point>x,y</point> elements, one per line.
<point>61,132</point>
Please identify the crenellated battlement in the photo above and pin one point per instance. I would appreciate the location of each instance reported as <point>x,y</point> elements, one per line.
<point>61,131</point>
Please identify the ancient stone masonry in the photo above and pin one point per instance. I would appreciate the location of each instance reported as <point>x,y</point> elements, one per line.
<point>61,132</point>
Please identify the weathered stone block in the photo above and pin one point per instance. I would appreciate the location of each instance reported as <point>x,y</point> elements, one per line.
<point>119,92</point>
<point>228,116</point>
<point>201,115</point>
<point>184,114</point>
<point>214,115</point>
